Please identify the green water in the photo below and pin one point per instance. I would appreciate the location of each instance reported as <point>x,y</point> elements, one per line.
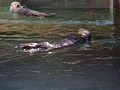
<point>63,16</point>
<point>74,68</point>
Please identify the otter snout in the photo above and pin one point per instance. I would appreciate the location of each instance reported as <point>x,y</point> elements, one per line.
<point>85,34</point>
<point>15,6</point>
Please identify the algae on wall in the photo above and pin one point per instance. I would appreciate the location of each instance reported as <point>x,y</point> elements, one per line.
<point>5,3</point>
<point>61,3</point>
<point>68,3</point>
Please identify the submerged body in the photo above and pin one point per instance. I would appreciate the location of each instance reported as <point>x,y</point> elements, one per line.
<point>16,7</point>
<point>47,46</point>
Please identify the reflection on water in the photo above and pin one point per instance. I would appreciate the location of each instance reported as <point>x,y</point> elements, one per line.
<point>73,68</point>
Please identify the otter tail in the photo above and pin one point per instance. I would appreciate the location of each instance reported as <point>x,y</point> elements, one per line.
<point>37,13</point>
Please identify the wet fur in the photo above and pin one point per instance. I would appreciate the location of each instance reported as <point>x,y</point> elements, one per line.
<point>16,7</point>
<point>47,46</point>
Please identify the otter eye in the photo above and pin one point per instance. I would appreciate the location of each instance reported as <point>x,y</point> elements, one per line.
<point>18,6</point>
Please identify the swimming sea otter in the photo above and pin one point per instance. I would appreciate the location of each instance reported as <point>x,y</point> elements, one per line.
<point>84,37</point>
<point>16,7</point>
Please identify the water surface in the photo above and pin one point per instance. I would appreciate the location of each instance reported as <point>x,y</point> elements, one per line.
<point>74,68</point>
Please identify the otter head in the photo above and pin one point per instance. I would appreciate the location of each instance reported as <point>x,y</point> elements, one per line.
<point>15,6</point>
<point>85,34</point>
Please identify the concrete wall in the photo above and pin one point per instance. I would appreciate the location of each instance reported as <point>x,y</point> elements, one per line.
<point>67,3</point>
<point>56,4</point>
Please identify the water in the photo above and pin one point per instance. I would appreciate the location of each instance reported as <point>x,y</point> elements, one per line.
<point>73,68</point>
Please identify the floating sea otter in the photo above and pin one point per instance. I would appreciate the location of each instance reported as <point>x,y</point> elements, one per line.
<point>16,7</point>
<point>84,37</point>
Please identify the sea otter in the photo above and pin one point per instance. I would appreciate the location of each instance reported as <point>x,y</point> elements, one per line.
<point>84,37</point>
<point>16,7</point>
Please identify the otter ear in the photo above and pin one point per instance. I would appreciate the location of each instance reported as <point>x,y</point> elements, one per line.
<point>81,29</point>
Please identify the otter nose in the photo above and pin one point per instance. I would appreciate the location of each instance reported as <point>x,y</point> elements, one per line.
<point>18,6</point>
